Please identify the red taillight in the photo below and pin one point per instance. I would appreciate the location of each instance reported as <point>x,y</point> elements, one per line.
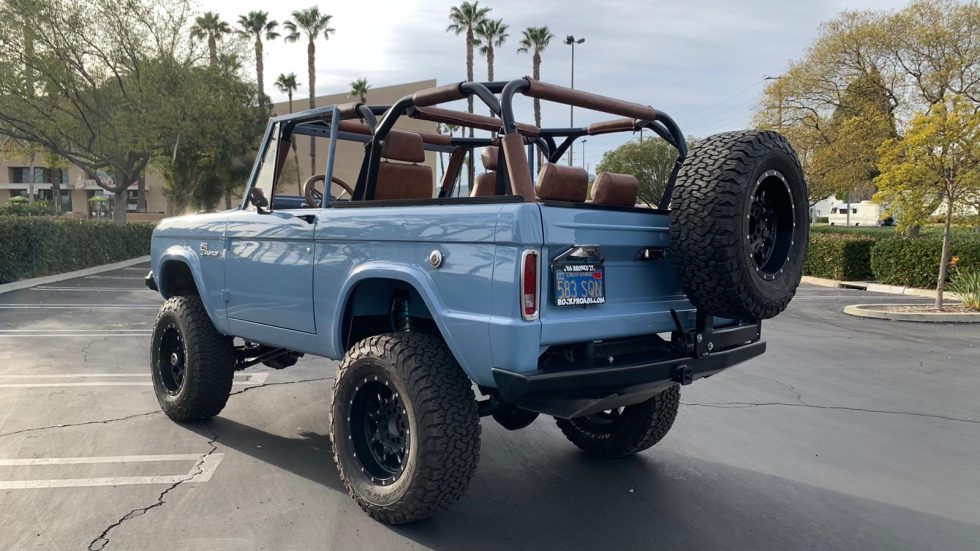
<point>529,285</point>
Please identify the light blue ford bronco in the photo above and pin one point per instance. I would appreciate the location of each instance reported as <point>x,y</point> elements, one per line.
<point>529,291</point>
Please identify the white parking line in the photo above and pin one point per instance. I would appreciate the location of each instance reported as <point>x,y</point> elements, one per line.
<point>129,278</point>
<point>249,379</point>
<point>202,471</point>
<point>79,306</point>
<point>48,333</point>
<point>87,289</point>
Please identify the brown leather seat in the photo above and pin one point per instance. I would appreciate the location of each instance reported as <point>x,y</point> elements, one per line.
<point>562,183</point>
<point>486,183</point>
<point>399,180</point>
<point>620,190</point>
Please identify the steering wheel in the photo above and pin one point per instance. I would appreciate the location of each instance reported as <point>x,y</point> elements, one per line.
<point>314,197</point>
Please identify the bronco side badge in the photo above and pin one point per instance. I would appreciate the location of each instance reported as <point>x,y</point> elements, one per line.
<point>205,252</point>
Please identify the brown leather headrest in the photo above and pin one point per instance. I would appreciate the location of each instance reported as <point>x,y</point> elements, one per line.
<point>619,190</point>
<point>403,146</point>
<point>489,157</point>
<point>562,183</point>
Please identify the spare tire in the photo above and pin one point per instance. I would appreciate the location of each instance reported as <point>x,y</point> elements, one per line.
<point>739,224</point>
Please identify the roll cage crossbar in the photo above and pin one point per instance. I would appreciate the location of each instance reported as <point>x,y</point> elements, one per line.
<point>374,122</point>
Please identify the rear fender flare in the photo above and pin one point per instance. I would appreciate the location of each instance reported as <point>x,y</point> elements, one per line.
<point>418,279</point>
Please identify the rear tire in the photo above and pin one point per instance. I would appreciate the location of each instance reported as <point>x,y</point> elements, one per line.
<point>621,433</point>
<point>192,365</point>
<point>739,225</point>
<point>405,427</point>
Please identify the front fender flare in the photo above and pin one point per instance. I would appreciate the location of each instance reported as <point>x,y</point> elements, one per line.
<point>187,256</point>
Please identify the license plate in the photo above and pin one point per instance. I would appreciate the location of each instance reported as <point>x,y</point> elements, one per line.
<point>579,284</point>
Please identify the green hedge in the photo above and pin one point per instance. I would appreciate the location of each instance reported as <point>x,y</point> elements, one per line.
<point>914,262</point>
<point>839,256</point>
<point>37,246</point>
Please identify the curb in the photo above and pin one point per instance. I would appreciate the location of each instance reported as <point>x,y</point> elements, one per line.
<point>33,282</point>
<point>861,311</point>
<point>877,288</point>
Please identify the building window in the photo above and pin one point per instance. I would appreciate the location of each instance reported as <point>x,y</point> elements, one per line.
<point>42,175</point>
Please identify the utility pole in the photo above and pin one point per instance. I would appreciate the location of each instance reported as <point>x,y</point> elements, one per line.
<point>779,101</point>
<point>572,41</point>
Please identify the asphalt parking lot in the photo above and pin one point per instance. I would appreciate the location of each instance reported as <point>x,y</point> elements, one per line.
<point>848,434</point>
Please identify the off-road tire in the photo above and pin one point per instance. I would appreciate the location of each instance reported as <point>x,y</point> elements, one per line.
<point>442,415</point>
<point>710,225</point>
<point>208,362</point>
<point>633,430</point>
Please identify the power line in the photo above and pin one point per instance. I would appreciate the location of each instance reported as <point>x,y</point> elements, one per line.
<point>736,94</point>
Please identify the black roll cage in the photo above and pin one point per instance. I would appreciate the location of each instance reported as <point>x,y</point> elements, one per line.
<point>498,96</point>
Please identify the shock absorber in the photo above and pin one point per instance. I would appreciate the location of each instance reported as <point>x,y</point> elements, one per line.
<point>401,320</point>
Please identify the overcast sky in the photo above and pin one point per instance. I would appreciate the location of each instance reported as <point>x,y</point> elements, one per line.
<point>701,61</point>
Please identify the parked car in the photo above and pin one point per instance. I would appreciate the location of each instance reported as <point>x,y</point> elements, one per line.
<point>540,298</point>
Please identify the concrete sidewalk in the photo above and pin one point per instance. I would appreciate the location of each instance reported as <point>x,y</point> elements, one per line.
<point>878,288</point>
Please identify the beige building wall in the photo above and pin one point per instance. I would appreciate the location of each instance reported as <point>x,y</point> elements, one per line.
<point>349,154</point>
<point>79,187</point>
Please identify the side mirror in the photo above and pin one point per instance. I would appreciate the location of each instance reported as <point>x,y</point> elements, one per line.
<point>257,197</point>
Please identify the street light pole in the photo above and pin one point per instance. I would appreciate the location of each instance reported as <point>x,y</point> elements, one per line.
<point>583,153</point>
<point>572,41</point>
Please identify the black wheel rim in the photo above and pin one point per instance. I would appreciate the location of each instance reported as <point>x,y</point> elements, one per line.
<point>172,359</point>
<point>771,224</point>
<point>379,429</point>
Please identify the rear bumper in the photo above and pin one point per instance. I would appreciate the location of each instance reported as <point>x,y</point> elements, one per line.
<point>597,382</point>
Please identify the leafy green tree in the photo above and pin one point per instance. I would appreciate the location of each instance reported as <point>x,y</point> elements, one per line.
<point>257,25</point>
<point>651,161</point>
<point>81,83</point>
<point>210,119</point>
<point>313,24</point>
<point>939,156</point>
<point>845,164</point>
<point>210,27</point>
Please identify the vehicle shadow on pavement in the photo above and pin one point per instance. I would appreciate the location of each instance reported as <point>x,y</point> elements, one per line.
<point>562,499</point>
<point>309,456</point>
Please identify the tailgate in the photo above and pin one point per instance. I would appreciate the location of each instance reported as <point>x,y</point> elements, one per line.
<point>640,282</point>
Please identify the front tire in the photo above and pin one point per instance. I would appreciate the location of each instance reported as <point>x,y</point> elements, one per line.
<point>192,365</point>
<point>619,433</point>
<point>404,426</point>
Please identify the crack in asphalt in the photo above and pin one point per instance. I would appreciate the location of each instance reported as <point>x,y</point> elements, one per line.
<point>263,385</point>
<point>102,540</point>
<point>740,405</point>
<point>66,425</point>
<point>154,412</point>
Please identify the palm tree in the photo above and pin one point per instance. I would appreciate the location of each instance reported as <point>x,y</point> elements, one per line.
<point>359,89</point>
<point>536,39</point>
<point>489,35</point>
<point>211,27</point>
<point>257,24</point>
<point>313,24</point>
<point>287,84</point>
<point>466,18</point>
